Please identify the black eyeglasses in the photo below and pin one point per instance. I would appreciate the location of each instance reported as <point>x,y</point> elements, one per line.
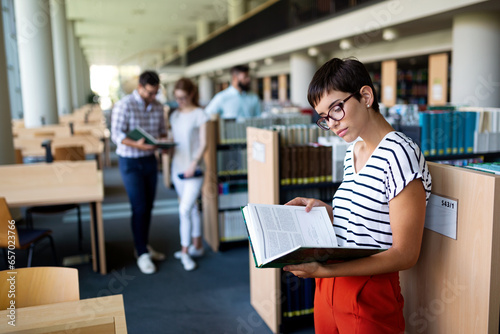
<point>335,112</point>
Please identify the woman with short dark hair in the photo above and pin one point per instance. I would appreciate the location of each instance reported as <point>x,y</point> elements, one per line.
<point>380,203</point>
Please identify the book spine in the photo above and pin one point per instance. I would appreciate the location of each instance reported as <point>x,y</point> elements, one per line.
<point>424,122</point>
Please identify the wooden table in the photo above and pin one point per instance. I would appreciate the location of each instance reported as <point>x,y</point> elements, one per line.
<point>56,183</point>
<point>32,147</point>
<point>86,316</point>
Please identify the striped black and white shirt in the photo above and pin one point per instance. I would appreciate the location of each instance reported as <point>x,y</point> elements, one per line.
<point>361,203</point>
<point>131,112</point>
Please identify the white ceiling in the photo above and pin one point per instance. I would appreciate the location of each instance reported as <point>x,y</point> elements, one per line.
<point>118,32</point>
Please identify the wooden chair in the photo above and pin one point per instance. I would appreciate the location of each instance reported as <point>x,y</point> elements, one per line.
<point>63,153</point>
<point>13,238</point>
<point>19,156</point>
<point>40,286</point>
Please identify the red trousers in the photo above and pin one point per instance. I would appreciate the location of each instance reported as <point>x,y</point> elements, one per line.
<point>359,304</point>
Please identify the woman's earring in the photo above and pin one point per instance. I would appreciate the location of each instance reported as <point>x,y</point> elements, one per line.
<point>368,106</point>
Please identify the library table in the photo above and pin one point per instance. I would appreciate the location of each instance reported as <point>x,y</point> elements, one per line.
<point>60,182</point>
<point>32,147</point>
<point>86,316</point>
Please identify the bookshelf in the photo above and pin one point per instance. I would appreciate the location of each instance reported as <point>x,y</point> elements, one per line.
<point>455,285</point>
<point>220,200</point>
<point>270,292</point>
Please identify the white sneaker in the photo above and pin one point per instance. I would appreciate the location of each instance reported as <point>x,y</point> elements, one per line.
<point>155,255</point>
<point>145,264</point>
<point>192,251</point>
<point>187,262</point>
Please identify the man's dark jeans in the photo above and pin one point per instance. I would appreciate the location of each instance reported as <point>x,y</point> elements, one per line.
<point>139,176</point>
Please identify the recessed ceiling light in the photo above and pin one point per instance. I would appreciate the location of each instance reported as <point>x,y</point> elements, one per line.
<point>345,44</point>
<point>389,34</point>
<point>252,64</point>
<point>268,61</point>
<point>312,51</point>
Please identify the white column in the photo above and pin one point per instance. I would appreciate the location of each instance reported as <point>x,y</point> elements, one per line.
<point>182,44</point>
<point>201,30</point>
<point>61,61</point>
<point>302,69</point>
<point>235,10</point>
<point>85,78</point>
<point>206,89</point>
<point>36,62</point>
<point>475,76</point>
<point>72,64</point>
<point>79,72</point>
<point>6,141</point>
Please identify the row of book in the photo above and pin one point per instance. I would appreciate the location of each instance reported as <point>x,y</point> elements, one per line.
<point>305,164</point>
<point>232,161</point>
<point>232,226</point>
<point>233,200</point>
<point>234,130</point>
<point>446,131</point>
<point>300,134</point>
<point>489,167</point>
<point>298,295</point>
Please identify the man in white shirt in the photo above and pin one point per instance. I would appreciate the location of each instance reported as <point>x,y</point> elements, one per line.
<point>236,101</point>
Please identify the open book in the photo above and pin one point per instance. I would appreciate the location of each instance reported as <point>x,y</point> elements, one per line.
<point>285,234</point>
<point>139,133</point>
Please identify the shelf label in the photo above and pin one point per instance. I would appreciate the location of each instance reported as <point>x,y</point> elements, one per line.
<point>441,215</point>
<point>259,151</point>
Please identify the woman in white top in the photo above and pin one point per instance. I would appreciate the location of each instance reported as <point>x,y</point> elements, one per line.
<point>188,128</point>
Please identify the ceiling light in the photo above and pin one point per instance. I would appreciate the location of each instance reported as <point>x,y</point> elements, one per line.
<point>312,51</point>
<point>345,44</point>
<point>252,64</point>
<point>389,34</point>
<point>268,61</point>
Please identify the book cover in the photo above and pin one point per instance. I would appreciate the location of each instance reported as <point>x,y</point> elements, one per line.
<point>139,133</point>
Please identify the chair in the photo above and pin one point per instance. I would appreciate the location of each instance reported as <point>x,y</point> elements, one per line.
<point>22,238</point>
<point>40,286</point>
<point>19,156</point>
<point>63,153</point>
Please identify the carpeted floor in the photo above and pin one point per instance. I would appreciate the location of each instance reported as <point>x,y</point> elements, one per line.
<point>214,298</point>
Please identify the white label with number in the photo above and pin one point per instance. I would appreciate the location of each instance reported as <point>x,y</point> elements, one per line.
<point>441,215</point>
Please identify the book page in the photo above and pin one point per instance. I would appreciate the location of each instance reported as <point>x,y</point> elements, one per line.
<point>282,228</point>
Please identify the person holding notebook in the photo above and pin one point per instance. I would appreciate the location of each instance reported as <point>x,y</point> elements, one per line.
<point>188,123</point>
<point>137,161</point>
<point>380,203</point>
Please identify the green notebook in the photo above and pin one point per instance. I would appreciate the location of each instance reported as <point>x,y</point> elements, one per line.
<point>139,133</point>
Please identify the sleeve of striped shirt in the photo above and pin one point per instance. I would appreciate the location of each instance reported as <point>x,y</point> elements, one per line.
<point>119,122</point>
<point>405,163</point>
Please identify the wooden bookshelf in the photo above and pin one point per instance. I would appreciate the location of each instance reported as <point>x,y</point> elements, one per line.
<point>210,189</point>
<point>266,291</point>
<point>388,76</point>
<point>455,286</point>
<point>263,188</point>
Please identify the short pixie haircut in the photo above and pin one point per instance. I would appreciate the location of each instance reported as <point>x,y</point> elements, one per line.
<point>343,75</point>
